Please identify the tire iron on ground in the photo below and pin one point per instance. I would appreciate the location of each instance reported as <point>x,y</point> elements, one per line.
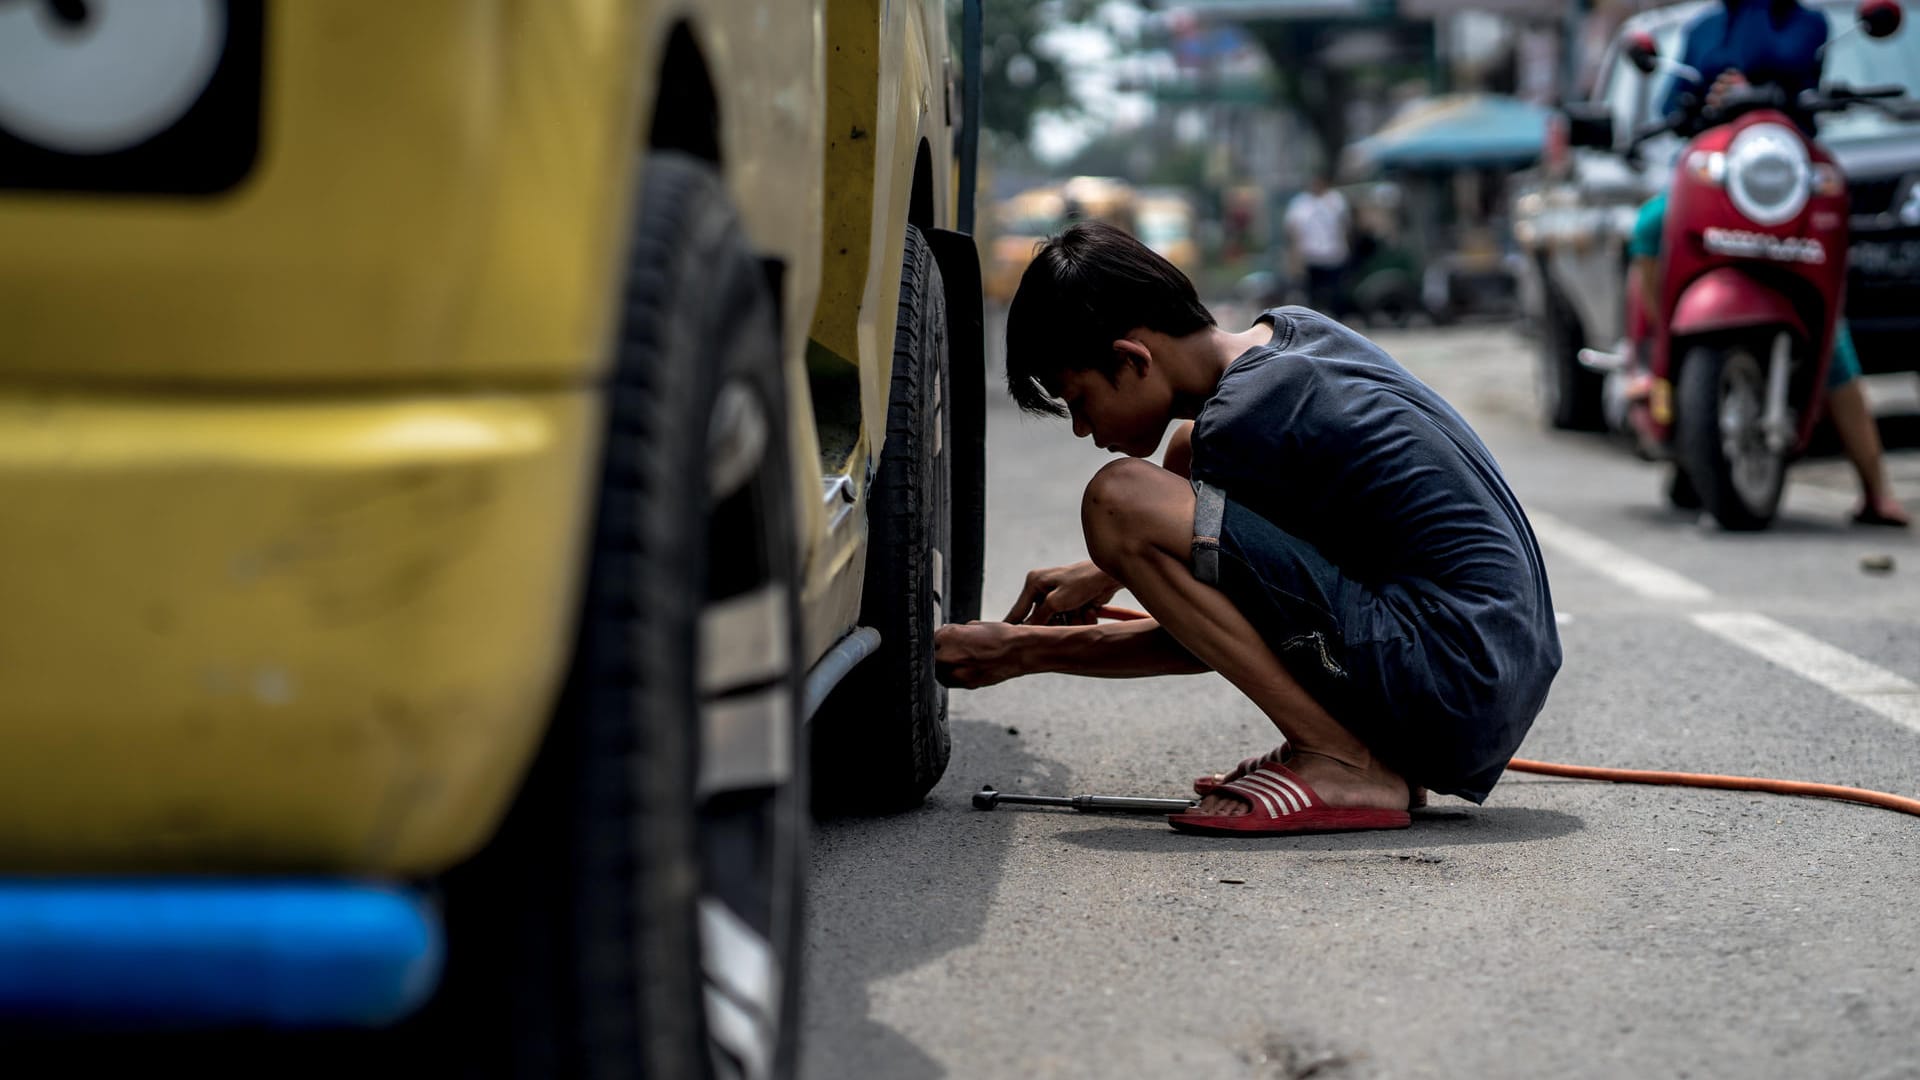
<point>987,798</point>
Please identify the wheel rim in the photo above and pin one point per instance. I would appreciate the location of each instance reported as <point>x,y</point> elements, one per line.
<point>747,854</point>
<point>942,530</point>
<point>1752,467</point>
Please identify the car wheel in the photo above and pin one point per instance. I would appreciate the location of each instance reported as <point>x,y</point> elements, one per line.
<point>1570,396</point>
<point>638,912</point>
<point>1721,437</point>
<point>881,740</point>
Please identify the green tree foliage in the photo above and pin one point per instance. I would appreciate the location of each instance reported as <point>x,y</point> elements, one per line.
<point>1018,78</point>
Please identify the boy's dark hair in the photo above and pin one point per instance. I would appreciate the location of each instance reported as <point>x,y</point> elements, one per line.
<point>1083,291</point>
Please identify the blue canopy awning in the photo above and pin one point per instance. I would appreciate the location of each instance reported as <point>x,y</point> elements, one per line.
<point>1455,131</point>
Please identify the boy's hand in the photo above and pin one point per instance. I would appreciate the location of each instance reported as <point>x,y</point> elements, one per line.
<point>976,654</point>
<point>1063,595</point>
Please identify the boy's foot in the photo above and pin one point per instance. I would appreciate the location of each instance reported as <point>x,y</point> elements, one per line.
<point>1204,785</point>
<point>1275,800</point>
<point>1336,783</point>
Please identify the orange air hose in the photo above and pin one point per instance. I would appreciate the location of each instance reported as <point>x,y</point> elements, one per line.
<point>1715,780</point>
<point>1651,776</point>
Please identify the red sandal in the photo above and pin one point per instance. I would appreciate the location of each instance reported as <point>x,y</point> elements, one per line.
<point>1204,786</point>
<point>1281,803</point>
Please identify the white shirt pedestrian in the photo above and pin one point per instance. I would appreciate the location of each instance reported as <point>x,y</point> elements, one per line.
<point>1318,226</point>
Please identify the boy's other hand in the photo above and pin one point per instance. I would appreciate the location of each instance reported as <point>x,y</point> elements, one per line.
<point>975,654</point>
<point>1063,595</point>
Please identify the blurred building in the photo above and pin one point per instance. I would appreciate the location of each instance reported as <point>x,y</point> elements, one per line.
<point>1276,90</point>
<point>1342,68</point>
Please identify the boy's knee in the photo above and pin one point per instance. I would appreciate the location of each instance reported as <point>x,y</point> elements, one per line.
<point>1119,486</point>
<point>1115,498</point>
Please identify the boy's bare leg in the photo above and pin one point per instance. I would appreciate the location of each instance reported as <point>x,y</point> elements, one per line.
<point>1138,520</point>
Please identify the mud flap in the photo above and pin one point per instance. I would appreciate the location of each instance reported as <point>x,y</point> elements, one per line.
<point>959,262</point>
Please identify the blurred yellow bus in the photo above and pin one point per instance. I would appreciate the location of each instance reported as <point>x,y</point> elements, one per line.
<point>1166,223</point>
<point>1024,220</point>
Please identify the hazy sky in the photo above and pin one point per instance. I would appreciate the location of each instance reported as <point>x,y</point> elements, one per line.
<point>1094,66</point>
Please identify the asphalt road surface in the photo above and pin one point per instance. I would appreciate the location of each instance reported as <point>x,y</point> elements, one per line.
<point>1563,929</point>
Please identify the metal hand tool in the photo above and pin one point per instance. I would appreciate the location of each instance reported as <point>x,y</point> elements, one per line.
<point>987,798</point>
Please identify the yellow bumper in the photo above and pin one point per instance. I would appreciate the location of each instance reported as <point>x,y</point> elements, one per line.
<point>317,634</point>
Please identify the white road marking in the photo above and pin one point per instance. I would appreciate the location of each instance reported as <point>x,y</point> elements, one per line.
<point>1864,684</point>
<point>1871,687</point>
<point>1616,563</point>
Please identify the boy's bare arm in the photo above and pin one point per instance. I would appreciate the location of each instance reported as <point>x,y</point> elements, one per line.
<point>984,653</point>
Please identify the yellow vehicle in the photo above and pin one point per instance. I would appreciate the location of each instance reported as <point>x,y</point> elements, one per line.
<point>448,451</point>
<point>1026,219</point>
<point>1166,224</point>
<point>1022,221</point>
<point>1101,198</point>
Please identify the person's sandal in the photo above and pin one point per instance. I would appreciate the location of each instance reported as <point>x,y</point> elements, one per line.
<point>1279,802</point>
<point>1204,786</point>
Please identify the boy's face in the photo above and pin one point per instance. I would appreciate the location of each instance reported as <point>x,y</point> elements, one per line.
<point>1124,414</point>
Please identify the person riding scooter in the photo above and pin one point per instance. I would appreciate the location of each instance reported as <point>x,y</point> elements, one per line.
<point>1777,43</point>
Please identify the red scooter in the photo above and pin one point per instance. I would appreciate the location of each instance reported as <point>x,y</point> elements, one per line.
<point>1753,265</point>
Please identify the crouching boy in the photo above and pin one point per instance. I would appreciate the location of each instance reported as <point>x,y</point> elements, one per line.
<point>1327,533</point>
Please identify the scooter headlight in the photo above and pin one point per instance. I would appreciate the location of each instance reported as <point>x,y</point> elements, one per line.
<point>1768,173</point>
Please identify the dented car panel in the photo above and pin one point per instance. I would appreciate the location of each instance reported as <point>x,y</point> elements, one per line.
<point>317,634</point>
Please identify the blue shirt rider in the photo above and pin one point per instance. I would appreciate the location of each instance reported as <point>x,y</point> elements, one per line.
<point>1773,42</point>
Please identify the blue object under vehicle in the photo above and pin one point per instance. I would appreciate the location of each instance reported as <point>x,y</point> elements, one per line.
<point>168,952</point>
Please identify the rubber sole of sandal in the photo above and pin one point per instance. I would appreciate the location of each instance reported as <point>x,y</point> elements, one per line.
<point>1314,820</point>
<point>1204,786</point>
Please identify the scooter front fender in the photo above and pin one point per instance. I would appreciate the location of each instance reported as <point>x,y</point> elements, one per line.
<point>1729,298</point>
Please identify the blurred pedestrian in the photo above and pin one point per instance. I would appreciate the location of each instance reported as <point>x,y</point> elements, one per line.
<point>1318,222</point>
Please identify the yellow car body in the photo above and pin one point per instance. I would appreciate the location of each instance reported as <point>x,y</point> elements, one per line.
<point>295,475</point>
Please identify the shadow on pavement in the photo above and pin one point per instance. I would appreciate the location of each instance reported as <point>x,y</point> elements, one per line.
<point>1792,522</point>
<point>1444,827</point>
<point>889,894</point>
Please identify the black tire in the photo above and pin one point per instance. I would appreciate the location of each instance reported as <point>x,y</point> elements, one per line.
<point>1681,494</point>
<point>584,940</point>
<point>958,258</point>
<point>1571,397</point>
<point>1719,439</point>
<point>880,742</point>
